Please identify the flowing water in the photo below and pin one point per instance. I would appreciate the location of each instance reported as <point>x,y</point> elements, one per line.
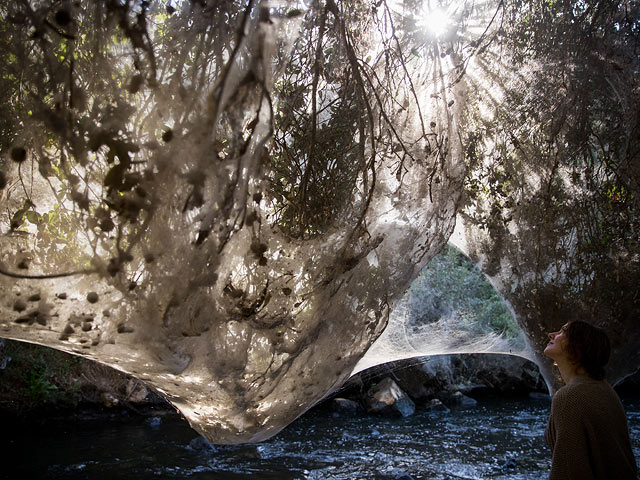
<point>499,439</point>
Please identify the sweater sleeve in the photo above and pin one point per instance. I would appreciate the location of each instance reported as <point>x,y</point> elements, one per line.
<point>568,440</point>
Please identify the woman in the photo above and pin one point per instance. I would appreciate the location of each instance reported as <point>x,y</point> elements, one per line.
<point>587,429</point>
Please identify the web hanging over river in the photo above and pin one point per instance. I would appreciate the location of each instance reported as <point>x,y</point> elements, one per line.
<point>228,199</point>
<point>406,337</point>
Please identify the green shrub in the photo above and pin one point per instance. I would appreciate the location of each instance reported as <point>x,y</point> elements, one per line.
<point>452,286</point>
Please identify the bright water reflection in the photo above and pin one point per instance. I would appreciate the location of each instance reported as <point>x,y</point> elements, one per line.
<point>501,439</point>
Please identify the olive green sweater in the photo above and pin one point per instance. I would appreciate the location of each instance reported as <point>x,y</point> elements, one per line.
<point>588,433</point>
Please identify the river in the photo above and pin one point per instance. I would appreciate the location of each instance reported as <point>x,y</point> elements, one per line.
<point>499,439</point>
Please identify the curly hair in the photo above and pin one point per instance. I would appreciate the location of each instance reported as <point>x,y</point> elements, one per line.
<point>589,347</point>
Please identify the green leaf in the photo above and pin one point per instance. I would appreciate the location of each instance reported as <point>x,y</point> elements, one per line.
<point>18,218</point>
<point>33,217</point>
<point>294,12</point>
<point>114,177</point>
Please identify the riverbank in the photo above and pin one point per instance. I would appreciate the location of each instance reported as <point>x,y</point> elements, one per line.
<point>39,380</point>
<point>36,380</point>
<point>440,383</point>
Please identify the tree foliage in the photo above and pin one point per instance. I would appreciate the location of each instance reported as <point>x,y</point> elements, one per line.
<point>552,189</point>
<point>454,288</point>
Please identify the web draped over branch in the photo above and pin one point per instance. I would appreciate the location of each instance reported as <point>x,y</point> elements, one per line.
<point>208,195</point>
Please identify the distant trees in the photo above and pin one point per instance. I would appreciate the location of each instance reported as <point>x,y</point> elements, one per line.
<point>453,288</point>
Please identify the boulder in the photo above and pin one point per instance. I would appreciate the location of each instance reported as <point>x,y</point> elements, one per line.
<point>402,476</point>
<point>344,405</point>
<point>109,400</point>
<point>458,399</point>
<point>136,392</point>
<point>540,396</point>
<point>437,406</point>
<point>506,374</point>
<point>388,397</point>
<point>154,422</point>
<point>426,378</point>
<point>200,444</point>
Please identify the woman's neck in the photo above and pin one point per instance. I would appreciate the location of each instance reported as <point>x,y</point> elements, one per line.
<point>569,371</point>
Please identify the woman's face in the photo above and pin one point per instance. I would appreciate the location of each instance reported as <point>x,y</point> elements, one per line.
<point>557,346</point>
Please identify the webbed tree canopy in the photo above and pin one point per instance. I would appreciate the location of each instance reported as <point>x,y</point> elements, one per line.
<point>226,199</point>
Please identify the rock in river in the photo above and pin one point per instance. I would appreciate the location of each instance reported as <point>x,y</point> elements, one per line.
<point>387,397</point>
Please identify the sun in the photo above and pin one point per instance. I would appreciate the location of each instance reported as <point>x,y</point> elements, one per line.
<point>435,21</point>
